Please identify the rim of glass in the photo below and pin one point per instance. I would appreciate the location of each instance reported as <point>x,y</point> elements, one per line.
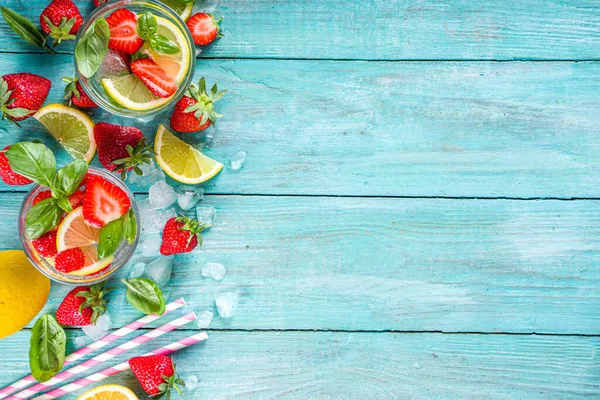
<point>47,269</point>
<point>103,101</point>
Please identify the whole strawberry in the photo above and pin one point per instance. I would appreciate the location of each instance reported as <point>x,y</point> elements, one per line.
<point>156,375</point>
<point>74,94</point>
<point>181,235</point>
<point>83,305</point>
<point>9,176</point>
<point>61,20</point>
<point>23,94</point>
<point>204,28</point>
<point>195,111</point>
<point>121,148</point>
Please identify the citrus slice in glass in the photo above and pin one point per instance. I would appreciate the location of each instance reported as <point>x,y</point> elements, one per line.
<point>184,10</point>
<point>181,161</point>
<point>92,265</point>
<point>73,129</point>
<point>130,92</point>
<point>74,232</point>
<point>108,392</point>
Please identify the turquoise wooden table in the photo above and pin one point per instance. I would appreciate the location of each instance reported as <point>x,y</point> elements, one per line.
<point>419,212</point>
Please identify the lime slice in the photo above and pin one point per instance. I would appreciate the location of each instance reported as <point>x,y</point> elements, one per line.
<point>181,161</point>
<point>130,92</point>
<point>73,129</point>
<point>184,10</point>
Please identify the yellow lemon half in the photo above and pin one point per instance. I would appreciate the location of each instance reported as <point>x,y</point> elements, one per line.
<point>108,392</point>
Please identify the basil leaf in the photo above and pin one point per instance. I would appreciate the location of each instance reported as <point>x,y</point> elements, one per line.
<point>24,28</point>
<point>129,227</point>
<point>69,177</point>
<point>92,48</point>
<point>111,235</point>
<point>42,217</point>
<point>34,161</point>
<point>163,44</point>
<point>145,296</point>
<point>146,25</point>
<point>64,204</point>
<point>46,348</point>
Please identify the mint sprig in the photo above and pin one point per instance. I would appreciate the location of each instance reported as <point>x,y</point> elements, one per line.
<point>147,28</point>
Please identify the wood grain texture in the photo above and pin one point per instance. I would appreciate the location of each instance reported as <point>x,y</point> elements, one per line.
<point>387,264</point>
<point>388,30</point>
<point>389,129</point>
<point>328,365</point>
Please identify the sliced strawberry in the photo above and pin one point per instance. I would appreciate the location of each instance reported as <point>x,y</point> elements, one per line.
<point>76,199</point>
<point>70,260</point>
<point>103,202</point>
<point>123,31</point>
<point>204,28</point>
<point>46,244</point>
<point>155,78</point>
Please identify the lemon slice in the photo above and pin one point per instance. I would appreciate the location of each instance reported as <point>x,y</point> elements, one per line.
<point>184,10</point>
<point>181,161</point>
<point>92,264</point>
<point>74,232</point>
<point>73,129</point>
<point>106,392</point>
<point>130,92</point>
<point>175,65</point>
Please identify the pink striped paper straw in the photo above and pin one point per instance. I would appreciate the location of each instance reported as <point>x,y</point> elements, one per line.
<point>124,366</point>
<point>98,344</point>
<point>99,359</point>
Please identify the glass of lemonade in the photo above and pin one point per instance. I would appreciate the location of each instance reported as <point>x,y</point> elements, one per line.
<point>98,270</point>
<point>118,86</point>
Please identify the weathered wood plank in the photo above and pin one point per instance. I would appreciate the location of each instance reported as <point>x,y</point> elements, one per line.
<point>391,129</point>
<point>388,264</point>
<point>389,30</point>
<point>328,365</point>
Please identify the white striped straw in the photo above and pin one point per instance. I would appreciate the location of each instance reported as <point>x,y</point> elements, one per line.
<point>124,366</point>
<point>99,359</point>
<point>98,344</point>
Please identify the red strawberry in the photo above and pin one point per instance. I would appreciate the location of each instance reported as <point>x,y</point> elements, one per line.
<point>83,305</point>
<point>103,202</point>
<point>9,176</point>
<point>70,260</point>
<point>155,78</point>
<point>181,235</point>
<point>123,31</point>
<point>61,20</point>
<point>195,111</point>
<point>46,244</point>
<point>98,3</point>
<point>74,94</point>
<point>43,195</point>
<point>121,148</point>
<point>76,199</point>
<point>27,94</point>
<point>204,28</point>
<point>156,375</point>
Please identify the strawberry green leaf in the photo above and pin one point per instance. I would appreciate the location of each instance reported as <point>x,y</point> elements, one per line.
<point>92,48</point>
<point>145,296</point>
<point>111,236</point>
<point>34,161</point>
<point>46,348</point>
<point>42,218</point>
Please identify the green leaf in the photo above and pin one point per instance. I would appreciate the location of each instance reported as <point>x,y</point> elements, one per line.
<point>24,28</point>
<point>34,161</point>
<point>145,296</point>
<point>129,227</point>
<point>111,235</point>
<point>69,177</point>
<point>92,48</point>
<point>17,112</point>
<point>46,348</point>
<point>146,25</point>
<point>163,44</point>
<point>64,204</point>
<point>42,217</point>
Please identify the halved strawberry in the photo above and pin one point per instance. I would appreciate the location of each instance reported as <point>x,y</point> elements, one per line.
<point>204,28</point>
<point>70,260</point>
<point>76,199</point>
<point>103,202</point>
<point>123,31</point>
<point>155,78</point>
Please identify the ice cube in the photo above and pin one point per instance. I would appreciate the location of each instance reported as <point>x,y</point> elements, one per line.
<point>160,270</point>
<point>80,341</point>
<point>237,161</point>
<point>101,329</point>
<point>209,6</point>
<point>153,221</point>
<point>213,270</point>
<point>151,173</point>
<point>136,270</point>
<point>150,246</point>
<point>227,304</point>
<point>191,382</point>
<point>162,195</point>
<point>203,319</point>
<point>114,63</point>
<point>206,213</point>
<point>189,196</point>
